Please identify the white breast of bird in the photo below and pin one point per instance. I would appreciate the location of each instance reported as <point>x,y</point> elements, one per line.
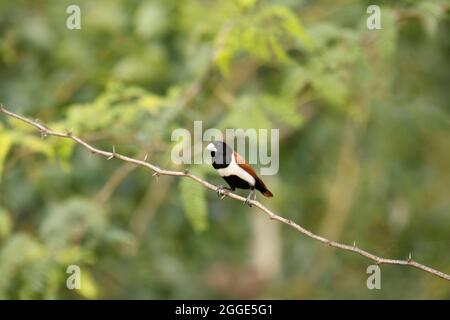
<point>234,170</point>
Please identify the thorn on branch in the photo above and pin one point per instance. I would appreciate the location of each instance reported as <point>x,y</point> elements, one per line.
<point>410,257</point>
<point>354,244</point>
<point>113,154</point>
<point>156,174</point>
<point>146,156</point>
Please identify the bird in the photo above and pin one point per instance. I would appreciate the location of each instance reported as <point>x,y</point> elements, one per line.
<point>238,174</point>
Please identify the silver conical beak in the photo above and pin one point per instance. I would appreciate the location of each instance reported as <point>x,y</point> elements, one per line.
<point>211,147</point>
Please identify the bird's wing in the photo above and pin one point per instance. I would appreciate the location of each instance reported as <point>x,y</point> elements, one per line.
<point>246,167</point>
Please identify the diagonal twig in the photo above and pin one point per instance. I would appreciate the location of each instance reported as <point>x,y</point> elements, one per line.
<point>273,216</point>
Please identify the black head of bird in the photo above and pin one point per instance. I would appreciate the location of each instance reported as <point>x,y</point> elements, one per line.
<point>235,171</point>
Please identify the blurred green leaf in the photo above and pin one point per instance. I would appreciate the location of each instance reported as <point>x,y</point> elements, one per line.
<point>88,287</point>
<point>194,202</point>
<point>5,224</point>
<point>72,220</point>
<point>265,33</point>
<point>5,145</point>
<point>19,251</point>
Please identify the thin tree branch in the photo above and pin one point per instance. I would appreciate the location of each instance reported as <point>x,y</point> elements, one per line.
<point>159,172</point>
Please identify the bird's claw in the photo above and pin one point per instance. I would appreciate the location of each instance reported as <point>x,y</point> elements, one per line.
<point>220,192</point>
<point>247,202</point>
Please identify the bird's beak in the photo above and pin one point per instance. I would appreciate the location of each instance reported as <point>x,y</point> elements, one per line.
<point>211,147</point>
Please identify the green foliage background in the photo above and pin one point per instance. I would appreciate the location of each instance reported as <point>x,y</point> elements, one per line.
<point>364,132</point>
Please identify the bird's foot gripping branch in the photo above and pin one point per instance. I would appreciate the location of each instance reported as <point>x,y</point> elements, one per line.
<point>273,216</point>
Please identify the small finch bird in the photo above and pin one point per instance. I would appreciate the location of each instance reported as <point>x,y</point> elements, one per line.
<point>235,171</point>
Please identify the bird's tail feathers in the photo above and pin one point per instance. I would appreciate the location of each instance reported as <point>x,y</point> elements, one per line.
<point>262,188</point>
